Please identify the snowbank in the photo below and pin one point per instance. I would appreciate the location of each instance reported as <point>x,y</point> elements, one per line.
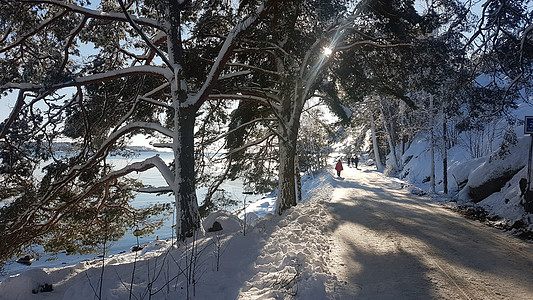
<point>279,257</point>
<point>25,285</point>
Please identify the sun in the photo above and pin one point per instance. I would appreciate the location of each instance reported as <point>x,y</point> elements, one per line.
<point>327,51</point>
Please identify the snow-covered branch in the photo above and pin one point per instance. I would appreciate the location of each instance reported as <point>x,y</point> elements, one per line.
<point>234,74</point>
<point>253,68</point>
<point>96,14</point>
<point>253,143</point>
<point>241,127</point>
<point>147,40</point>
<point>223,56</point>
<point>163,145</point>
<point>141,166</point>
<point>90,79</point>
<point>153,101</point>
<point>141,125</point>
<point>71,39</point>
<point>252,98</point>
<point>372,44</point>
<point>14,113</point>
<point>156,190</point>
<point>104,148</point>
<point>307,56</point>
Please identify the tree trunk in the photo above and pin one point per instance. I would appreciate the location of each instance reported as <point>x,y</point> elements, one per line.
<point>188,215</point>
<point>445,155</point>
<point>184,187</point>
<point>379,165</point>
<point>298,179</point>
<point>286,184</point>
<point>432,146</point>
<point>390,140</point>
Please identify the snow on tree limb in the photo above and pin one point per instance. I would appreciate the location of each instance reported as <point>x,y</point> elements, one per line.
<point>257,69</point>
<point>372,44</point>
<point>234,74</point>
<point>153,101</point>
<point>143,36</point>
<point>140,125</point>
<point>154,161</point>
<point>163,145</point>
<point>96,14</point>
<point>104,149</point>
<point>73,33</point>
<point>253,143</point>
<point>241,126</point>
<point>90,79</point>
<point>13,115</point>
<point>252,98</point>
<point>156,190</point>
<point>142,166</point>
<point>222,57</point>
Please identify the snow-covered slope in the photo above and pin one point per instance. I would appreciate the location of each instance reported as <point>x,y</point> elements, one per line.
<point>491,181</point>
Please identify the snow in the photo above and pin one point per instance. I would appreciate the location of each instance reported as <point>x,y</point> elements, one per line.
<point>229,222</point>
<point>465,173</point>
<point>494,167</point>
<point>23,286</point>
<point>507,202</point>
<point>371,253</point>
<point>278,256</point>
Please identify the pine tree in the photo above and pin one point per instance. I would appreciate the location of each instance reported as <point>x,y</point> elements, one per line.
<point>143,68</point>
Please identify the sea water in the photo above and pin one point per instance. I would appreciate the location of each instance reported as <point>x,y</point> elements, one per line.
<point>150,177</point>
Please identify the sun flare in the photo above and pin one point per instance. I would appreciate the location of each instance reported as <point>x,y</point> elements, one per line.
<point>327,51</point>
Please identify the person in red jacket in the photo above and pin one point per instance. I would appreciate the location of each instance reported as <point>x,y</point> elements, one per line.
<point>339,168</point>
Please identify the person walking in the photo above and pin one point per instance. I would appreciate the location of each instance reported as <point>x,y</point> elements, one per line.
<point>356,161</point>
<point>339,168</point>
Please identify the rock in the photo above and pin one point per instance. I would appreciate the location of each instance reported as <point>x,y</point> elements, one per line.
<point>227,222</point>
<point>523,186</point>
<point>26,260</point>
<point>216,227</point>
<point>43,288</point>
<point>518,224</point>
<point>137,247</point>
<point>487,188</point>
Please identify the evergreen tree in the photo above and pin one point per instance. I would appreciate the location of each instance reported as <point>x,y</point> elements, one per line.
<point>143,68</point>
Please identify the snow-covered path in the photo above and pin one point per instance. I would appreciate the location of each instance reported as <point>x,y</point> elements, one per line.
<point>391,244</point>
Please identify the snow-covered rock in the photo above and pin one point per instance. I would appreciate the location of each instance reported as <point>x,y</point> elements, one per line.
<point>462,171</point>
<point>229,222</point>
<point>155,245</point>
<point>25,285</point>
<point>495,171</point>
<point>251,219</point>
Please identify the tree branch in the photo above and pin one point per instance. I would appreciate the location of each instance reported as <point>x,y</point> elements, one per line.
<point>96,14</point>
<point>35,30</point>
<point>223,56</point>
<point>239,97</point>
<point>371,43</point>
<point>96,78</point>
<point>144,37</point>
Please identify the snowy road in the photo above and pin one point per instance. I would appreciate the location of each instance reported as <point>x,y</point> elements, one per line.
<point>390,244</point>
